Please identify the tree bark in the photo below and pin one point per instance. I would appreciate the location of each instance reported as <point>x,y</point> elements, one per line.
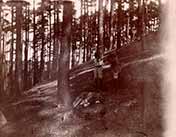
<point>84,31</point>
<point>18,67</point>
<point>119,24</point>
<point>111,33</point>
<point>26,50</point>
<point>35,60</point>
<point>56,42</point>
<point>11,71</point>
<point>63,73</point>
<point>50,44</point>
<point>100,48</point>
<point>1,62</point>
<point>42,61</point>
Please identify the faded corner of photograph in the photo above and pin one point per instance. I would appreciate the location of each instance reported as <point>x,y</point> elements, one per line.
<point>87,68</point>
<point>169,74</point>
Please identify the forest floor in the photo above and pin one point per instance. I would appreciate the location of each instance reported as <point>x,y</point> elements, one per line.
<point>36,115</point>
<point>133,111</point>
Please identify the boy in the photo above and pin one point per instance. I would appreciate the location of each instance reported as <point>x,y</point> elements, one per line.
<point>98,73</point>
<point>115,68</point>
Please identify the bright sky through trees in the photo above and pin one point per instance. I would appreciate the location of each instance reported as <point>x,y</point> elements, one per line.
<point>76,3</point>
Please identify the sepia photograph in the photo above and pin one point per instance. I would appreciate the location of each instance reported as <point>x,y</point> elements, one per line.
<point>87,68</point>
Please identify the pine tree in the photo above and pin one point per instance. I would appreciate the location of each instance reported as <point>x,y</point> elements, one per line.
<point>18,65</point>
<point>63,73</point>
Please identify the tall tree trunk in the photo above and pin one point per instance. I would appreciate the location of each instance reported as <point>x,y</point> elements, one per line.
<point>54,45</point>
<point>42,61</point>
<point>73,45</point>
<point>1,54</point>
<point>63,73</point>
<point>35,60</point>
<point>12,53</point>
<point>26,50</point>
<point>56,42</point>
<point>4,70</point>
<point>100,48</point>
<point>119,24</point>
<point>141,22</point>
<point>84,32</point>
<point>131,22</point>
<point>139,25</point>
<point>19,66</point>
<point>111,33</point>
<point>50,41</point>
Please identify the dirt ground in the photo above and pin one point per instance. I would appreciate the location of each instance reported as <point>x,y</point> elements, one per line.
<point>36,114</point>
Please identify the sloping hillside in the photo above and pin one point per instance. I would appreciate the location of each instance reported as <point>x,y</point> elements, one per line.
<point>137,101</point>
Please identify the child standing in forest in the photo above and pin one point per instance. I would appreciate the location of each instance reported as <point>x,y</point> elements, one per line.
<point>115,68</point>
<point>98,72</point>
